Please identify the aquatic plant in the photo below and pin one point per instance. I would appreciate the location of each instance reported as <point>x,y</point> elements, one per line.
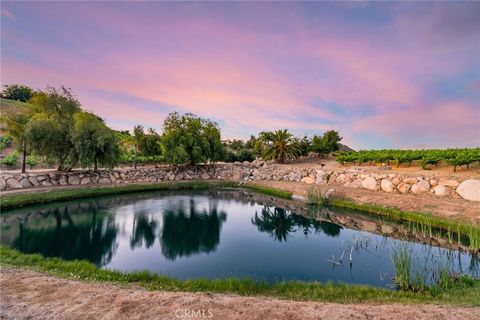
<point>402,261</point>
<point>315,197</point>
<point>473,235</point>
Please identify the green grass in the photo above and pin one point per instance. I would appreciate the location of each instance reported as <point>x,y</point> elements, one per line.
<point>270,191</point>
<point>9,201</point>
<point>463,292</point>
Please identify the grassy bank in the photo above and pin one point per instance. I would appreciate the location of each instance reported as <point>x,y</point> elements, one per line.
<point>463,292</point>
<point>9,201</point>
<point>270,191</point>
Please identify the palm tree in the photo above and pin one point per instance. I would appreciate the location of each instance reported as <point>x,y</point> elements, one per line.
<point>279,145</point>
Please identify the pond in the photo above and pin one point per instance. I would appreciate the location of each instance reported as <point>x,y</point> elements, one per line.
<point>224,233</point>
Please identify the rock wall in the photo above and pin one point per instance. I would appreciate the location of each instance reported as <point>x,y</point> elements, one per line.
<point>355,177</point>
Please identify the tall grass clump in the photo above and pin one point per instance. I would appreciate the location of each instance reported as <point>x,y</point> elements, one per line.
<point>315,197</point>
<point>402,261</point>
<point>473,235</point>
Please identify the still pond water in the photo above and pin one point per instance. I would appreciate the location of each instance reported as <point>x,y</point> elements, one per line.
<point>217,234</point>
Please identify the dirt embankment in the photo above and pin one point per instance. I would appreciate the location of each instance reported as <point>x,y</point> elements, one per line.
<point>448,208</point>
<point>31,295</point>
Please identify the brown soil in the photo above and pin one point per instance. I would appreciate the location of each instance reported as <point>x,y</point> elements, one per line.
<point>454,208</point>
<point>31,295</point>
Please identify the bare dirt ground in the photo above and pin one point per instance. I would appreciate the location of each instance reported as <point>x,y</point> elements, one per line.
<point>31,295</point>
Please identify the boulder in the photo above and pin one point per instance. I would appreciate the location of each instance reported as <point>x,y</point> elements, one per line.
<point>34,181</point>
<point>104,181</point>
<point>433,182</point>
<point>308,180</point>
<point>63,180</point>
<point>73,180</point>
<point>3,184</point>
<point>449,183</point>
<point>403,187</point>
<point>421,187</point>
<point>46,183</point>
<point>387,185</point>
<point>85,180</point>
<point>441,191</point>
<point>468,189</point>
<point>369,183</point>
<point>357,183</point>
<point>13,184</point>
<point>25,183</point>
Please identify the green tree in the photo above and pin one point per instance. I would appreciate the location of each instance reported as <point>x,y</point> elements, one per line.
<point>94,142</point>
<point>279,145</point>
<point>49,130</point>
<point>190,139</point>
<point>17,92</point>
<point>329,142</point>
<point>14,122</point>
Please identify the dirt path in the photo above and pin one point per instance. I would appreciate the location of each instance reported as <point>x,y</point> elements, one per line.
<point>31,295</point>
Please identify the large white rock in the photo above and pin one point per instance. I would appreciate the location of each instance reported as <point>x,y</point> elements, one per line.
<point>469,190</point>
<point>421,187</point>
<point>387,185</point>
<point>369,183</point>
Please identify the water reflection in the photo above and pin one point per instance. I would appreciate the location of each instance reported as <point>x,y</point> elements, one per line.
<point>188,233</point>
<point>280,223</point>
<point>144,229</point>
<point>69,238</point>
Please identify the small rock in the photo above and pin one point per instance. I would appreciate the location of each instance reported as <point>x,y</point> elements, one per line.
<point>396,181</point>
<point>468,189</point>
<point>308,180</point>
<point>441,191</point>
<point>433,182</point>
<point>410,180</point>
<point>449,183</point>
<point>403,187</point>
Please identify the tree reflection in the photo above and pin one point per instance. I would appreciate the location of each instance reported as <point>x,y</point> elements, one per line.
<point>276,222</point>
<point>143,230</point>
<point>187,233</point>
<point>279,223</point>
<point>92,240</point>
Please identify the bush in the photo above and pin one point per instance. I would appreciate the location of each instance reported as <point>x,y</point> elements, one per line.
<point>4,142</point>
<point>32,161</point>
<point>11,159</point>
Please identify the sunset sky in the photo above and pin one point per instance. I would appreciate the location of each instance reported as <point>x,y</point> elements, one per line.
<point>386,75</point>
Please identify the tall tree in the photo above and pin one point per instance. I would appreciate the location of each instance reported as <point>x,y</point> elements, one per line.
<point>55,109</point>
<point>94,142</point>
<point>279,145</point>
<point>190,139</point>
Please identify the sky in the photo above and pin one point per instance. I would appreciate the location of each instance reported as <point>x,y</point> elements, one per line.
<point>385,75</point>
